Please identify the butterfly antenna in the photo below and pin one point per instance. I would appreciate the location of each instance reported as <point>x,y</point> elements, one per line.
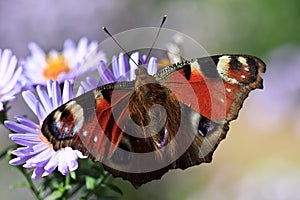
<point>156,37</point>
<point>110,35</point>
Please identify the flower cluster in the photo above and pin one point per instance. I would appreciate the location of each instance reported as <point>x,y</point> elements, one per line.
<point>46,81</point>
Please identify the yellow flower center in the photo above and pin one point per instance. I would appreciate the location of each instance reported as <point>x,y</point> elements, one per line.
<point>162,63</point>
<point>45,140</point>
<point>55,66</point>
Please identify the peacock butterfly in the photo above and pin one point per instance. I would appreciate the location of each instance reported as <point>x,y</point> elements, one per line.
<point>174,119</point>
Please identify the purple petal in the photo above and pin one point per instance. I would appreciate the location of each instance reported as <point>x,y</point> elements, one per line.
<point>79,154</point>
<point>56,99</point>
<point>163,142</point>
<point>71,159</point>
<point>46,102</point>
<point>121,64</point>
<point>12,76</point>
<point>22,151</point>
<point>115,67</point>
<point>82,47</point>
<point>27,122</point>
<point>67,92</point>
<point>92,82</point>
<point>152,66</point>
<point>85,85</point>
<point>30,99</point>
<point>133,66</point>
<point>40,112</point>
<point>19,128</point>
<point>62,164</point>
<point>80,91</point>
<point>52,163</point>
<point>49,88</point>
<point>4,59</point>
<point>69,46</point>
<point>37,173</point>
<point>39,159</point>
<point>105,73</point>
<point>24,139</point>
<point>19,160</point>
<point>37,52</point>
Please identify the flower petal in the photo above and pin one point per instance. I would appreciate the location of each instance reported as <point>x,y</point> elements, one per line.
<point>67,92</point>
<point>19,128</point>
<point>37,173</point>
<point>30,99</point>
<point>52,163</point>
<point>152,66</point>
<point>27,122</point>
<point>5,56</point>
<point>134,59</point>
<point>24,139</point>
<point>62,164</point>
<point>45,100</point>
<point>56,100</point>
<point>106,75</point>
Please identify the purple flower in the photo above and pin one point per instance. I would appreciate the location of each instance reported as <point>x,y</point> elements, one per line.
<point>10,76</point>
<point>60,66</point>
<point>123,69</point>
<point>37,152</point>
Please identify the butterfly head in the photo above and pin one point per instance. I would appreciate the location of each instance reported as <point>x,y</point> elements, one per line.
<point>142,77</point>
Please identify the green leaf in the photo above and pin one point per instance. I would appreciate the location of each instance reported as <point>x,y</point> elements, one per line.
<point>68,187</point>
<point>73,175</point>
<point>90,182</point>
<point>19,185</point>
<point>54,195</point>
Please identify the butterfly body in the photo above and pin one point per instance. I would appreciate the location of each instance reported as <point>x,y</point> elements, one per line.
<point>173,119</point>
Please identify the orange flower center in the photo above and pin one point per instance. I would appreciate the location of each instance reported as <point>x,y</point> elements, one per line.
<point>55,66</point>
<point>45,140</point>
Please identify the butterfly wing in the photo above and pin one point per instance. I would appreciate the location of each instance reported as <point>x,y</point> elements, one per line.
<point>88,123</point>
<point>219,86</point>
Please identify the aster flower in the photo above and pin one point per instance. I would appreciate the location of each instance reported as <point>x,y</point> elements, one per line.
<point>60,66</point>
<point>10,75</point>
<point>37,152</point>
<point>123,69</point>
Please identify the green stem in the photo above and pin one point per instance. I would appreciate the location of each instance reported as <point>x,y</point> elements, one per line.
<point>68,179</point>
<point>29,181</point>
<point>103,178</point>
<point>67,184</point>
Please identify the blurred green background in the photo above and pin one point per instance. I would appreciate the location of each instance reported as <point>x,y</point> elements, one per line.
<point>260,157</point>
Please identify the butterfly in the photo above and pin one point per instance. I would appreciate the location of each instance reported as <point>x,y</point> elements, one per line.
<point>176,118</point>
